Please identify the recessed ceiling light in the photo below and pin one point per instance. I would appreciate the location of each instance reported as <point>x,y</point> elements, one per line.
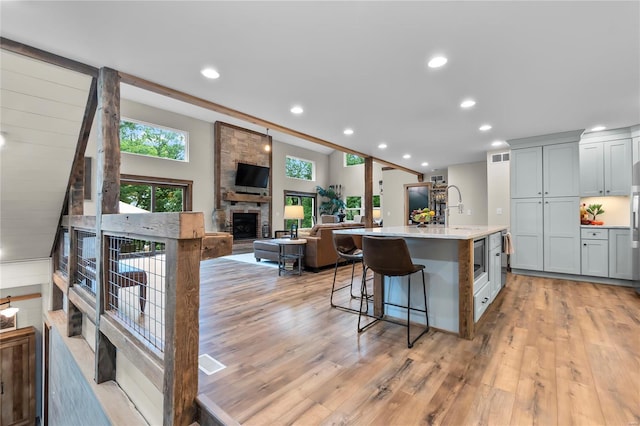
<point>437,62</point>
<point>210,73</point>
<point>382,146</point>
<point>406,156</point>
<point>497,143</point>
<point>597,128</point>
<point>425,164</point>
<point>467,103</point>
<point>348,131</point>
<point>297,109</point>
<point>485,127</point>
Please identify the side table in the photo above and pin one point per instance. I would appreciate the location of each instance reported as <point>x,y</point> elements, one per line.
<point>283,256</point>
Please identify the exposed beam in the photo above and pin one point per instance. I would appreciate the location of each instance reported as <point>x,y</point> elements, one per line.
<point>48,57</point>
<point>368,191</point>
<point>107,201</point>
<point>212,106</point>
<point>76,176</point>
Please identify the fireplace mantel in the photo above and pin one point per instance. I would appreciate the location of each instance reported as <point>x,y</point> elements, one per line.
<point>234,197</point>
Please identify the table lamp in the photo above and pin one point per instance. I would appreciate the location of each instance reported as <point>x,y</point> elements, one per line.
<point>377,215</point>
<point>294,212</point>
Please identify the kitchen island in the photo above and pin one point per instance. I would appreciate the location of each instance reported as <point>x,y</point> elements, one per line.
<point>448,256</point>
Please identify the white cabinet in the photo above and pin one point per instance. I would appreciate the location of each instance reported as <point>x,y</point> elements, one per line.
<point>526,172</point>
<point>495,264</point>
<point>561,163</point>
<point>561,235</point>
<point>595,258</point>
<point>526,233</point>
<point>636,149</point>
<point>545,208</point>
<point>605,168</point>
<point>620,254</point>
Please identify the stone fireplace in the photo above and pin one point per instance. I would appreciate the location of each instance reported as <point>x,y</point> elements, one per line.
<point>245,226</point>
<point>245,215</point>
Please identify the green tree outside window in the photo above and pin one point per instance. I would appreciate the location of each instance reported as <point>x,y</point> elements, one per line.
<point>353,160</point>
<point>143,139</point>
<point>298,168</point>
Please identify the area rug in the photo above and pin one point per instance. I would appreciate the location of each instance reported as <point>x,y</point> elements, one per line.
<point>250,258</point>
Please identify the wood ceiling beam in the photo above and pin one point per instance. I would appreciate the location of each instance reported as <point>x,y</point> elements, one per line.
<point>48,57</point>
<point>212,106</point>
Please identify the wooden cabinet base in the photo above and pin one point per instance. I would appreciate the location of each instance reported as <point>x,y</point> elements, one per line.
<point>18,368</point>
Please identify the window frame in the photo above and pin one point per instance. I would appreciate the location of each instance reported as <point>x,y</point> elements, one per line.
<point>313,168</point>
<point>158,126</point>
<point>185,185</point>
<point>299,194</point>
<point>350,211</point>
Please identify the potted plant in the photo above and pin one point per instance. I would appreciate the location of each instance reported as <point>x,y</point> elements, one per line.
<point>334,202</point>
<point>595,210</point>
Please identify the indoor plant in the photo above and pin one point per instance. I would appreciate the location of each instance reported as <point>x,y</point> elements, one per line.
<point>595,210</point>
<point>334,202</point>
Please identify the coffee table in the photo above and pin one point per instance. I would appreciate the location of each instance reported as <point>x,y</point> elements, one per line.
<point>283,256</point>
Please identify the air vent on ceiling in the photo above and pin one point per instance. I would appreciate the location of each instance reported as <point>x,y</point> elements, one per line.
<point>436,179</point>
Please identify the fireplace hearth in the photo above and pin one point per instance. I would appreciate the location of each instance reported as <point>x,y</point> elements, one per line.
<point>244,226</point>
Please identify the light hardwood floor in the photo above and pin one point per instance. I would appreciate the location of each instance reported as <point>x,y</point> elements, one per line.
<point>549,352</point>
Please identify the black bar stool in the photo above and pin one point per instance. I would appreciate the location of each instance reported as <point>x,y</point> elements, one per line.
<point>390,257</point>
<point>347,250</point>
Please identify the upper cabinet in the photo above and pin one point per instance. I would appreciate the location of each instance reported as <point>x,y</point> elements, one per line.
<point>526,172</point>
<point>605,165</point>
<point>549,171</point>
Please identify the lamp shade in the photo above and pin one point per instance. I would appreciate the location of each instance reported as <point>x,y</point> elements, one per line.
<point>293,212</point>
<point>377,214</point>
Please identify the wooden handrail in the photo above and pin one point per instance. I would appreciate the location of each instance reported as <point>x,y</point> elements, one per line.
<point>19,298</point>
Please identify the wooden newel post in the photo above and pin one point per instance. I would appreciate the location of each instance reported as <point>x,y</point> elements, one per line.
<point>182,332</point>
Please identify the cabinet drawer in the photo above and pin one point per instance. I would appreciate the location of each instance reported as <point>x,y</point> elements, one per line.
<point>594,234</point>
<point>481,301</point>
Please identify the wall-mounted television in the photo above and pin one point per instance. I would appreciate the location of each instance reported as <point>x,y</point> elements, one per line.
<point>253,176</point>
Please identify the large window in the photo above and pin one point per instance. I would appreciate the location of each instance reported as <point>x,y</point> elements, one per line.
<point>307,201</point>
<point>154,141</point>
<point>156,194</point>
<point>298,168</point>
<point>352,159</point>
<point>354,204</point>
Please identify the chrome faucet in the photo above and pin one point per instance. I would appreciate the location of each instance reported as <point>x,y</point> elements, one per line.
<point>460,206</point>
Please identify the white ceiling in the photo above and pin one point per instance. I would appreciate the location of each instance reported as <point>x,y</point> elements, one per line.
<point>533,67</point>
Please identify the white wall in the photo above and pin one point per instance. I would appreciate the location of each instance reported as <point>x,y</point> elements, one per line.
<point>198,169</point>
<point>393,196</point>
<point>498,191</point>
<point>352,178</point>
<point>281,182</point>
<point>471,178</point>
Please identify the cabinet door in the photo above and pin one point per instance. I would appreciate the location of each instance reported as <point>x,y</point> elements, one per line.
<point>595,258</point>
<point>636,149</point>
<point>592,170</point>
<point>561,170</point>
<point>526,233</point>
<point>495,272</point>
<point>617,167</point>
<point>17,367</point>
<point>620,254</point>
<point>562,235</point>
<point>526,172</point>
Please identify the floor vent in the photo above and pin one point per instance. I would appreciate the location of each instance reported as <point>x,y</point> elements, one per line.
<point>209,365</point>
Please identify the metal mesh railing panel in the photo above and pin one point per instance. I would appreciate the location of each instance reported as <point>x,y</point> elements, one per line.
<point>85,275</point>
<point>136,279</point>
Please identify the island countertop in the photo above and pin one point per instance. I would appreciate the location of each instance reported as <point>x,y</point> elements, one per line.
<point>456,232</point>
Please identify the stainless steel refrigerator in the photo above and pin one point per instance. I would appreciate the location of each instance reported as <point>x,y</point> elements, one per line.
<point>635,226</point>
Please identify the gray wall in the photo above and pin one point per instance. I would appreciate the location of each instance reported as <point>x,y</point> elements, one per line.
<point>71,400</point>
